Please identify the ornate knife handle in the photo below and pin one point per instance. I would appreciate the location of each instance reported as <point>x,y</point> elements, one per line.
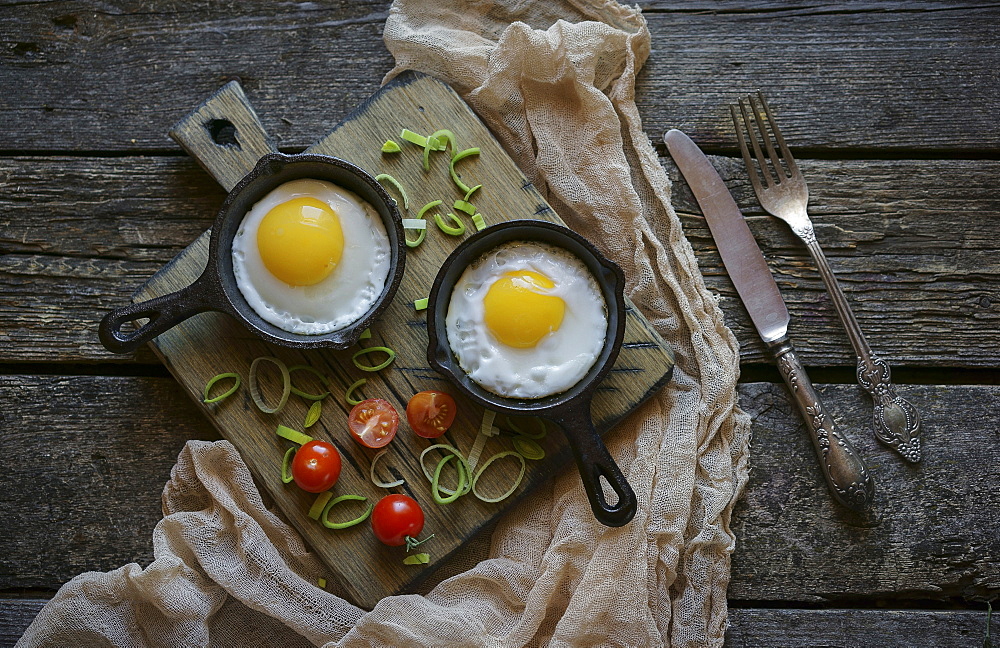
<point>845,473</point>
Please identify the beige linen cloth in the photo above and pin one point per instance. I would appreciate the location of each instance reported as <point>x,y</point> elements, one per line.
<point>555,82</point>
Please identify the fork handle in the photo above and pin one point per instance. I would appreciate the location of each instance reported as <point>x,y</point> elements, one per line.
<point>845,473</point>
<point>896,422</point>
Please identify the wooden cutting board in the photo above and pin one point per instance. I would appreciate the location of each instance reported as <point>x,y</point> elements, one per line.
<point>225,136</point>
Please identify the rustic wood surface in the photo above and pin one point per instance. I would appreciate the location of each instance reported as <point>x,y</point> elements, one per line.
<point>209,344</point>
<point>889,106</point>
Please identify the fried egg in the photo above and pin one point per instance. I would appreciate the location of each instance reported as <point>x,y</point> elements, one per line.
<point>526,320</point>
<point>311,257</point>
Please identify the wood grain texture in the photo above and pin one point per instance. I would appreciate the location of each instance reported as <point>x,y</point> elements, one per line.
<point>918,262</point>
<point>934,538</point>
<point>933,532</point>
<point>81,492</point>
<point>209,344</point>
<point>792,628</point>
<point>853,76</point>
<point>748,627</point>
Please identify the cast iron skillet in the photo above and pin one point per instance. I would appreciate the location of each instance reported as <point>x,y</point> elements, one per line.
<point>570,409</point>
<point>216,288</point>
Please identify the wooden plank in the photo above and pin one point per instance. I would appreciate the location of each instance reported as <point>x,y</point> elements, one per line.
<point>931,533</point>
<point>15,617</point>
<point>85,459</point>
<point>780,628</point>
<point>918,260</point>
<point>748,627</point>
<point>932,541</point>
<point>203,345</point>
<point>874,69</point>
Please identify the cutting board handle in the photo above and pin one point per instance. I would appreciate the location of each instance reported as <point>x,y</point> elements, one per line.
<point>224,135</point>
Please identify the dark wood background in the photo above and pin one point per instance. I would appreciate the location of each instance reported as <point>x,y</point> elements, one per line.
<point>891,108</point>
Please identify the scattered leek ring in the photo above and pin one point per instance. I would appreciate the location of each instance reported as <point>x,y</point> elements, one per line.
<point>509,491</point>
<point>286,388</point>
<point>444,137</point>
<point>458,157</point>
<point>298,392</point>
<point>286,473</point>
<point>344,525</point>
<point>381,484</point>
<point>531,435</point>
<point>528,448</point>
<point>395,183</point>
<point>436,481</point>
<point>350,390</point>
<point>386,350</point>
<point>453,450</point>
<point>228,393</point>
<point>468,194</point>
<point>417,241</point>
<point>447,229</point>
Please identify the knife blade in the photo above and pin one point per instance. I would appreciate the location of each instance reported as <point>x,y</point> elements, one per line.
<point>845,473</point>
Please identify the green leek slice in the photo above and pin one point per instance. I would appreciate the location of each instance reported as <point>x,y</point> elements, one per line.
<point>458,157</point>
<point>487,464</point>
<point>227,393</point>
<point>350,390</point>
<point>286,465</point>
<point>319,504</point>
<point>294,436</point>
<point>286,387</point>
<point>459,228</point>
<point>395,183</point>
<point>390,356</point>
<point>324,516</point>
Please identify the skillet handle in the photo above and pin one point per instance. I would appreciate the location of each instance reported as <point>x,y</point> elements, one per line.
<point>164,313</point>
<point>594,461</point>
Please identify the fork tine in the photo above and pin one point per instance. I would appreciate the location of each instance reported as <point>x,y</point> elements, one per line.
<point>747,160</point>
<point>748,121</point>
<point>786,153</point>
<point>765,136</point>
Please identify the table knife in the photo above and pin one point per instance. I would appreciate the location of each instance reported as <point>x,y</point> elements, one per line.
<point>844,471</point>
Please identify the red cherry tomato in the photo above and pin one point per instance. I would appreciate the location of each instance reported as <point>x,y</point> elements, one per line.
<point>316,466</point>
<point>373,422</point>
<point>395,518</point>
<point>431,413</point>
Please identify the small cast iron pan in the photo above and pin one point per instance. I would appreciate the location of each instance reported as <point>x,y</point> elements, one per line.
<point>216,288</point>
<point>570,409</point>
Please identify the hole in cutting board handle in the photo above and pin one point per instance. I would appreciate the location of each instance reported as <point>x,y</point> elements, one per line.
<point>222,132</point>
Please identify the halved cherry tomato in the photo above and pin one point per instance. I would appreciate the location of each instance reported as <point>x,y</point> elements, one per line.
<point>316,466</point>
<point>431,413</point>
<point>397,517</point>
<point>373,422</point>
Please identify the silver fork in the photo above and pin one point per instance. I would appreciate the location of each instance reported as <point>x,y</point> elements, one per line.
<point>784,194</point>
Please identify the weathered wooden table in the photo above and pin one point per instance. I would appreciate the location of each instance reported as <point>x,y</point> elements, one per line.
<point>891,108</point>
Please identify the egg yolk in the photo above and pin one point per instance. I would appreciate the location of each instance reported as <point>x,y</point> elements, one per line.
<point>300,241</point>
<point>517,310</point>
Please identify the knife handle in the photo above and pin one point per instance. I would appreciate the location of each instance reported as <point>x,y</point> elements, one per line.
<point>845,473</point>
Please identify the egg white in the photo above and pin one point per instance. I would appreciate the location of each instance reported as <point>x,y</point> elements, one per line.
<point>340,299</point>
<point>561,358</point>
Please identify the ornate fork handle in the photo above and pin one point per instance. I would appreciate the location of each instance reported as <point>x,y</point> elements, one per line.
<point>845,473</point>
<point>896,421</point>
